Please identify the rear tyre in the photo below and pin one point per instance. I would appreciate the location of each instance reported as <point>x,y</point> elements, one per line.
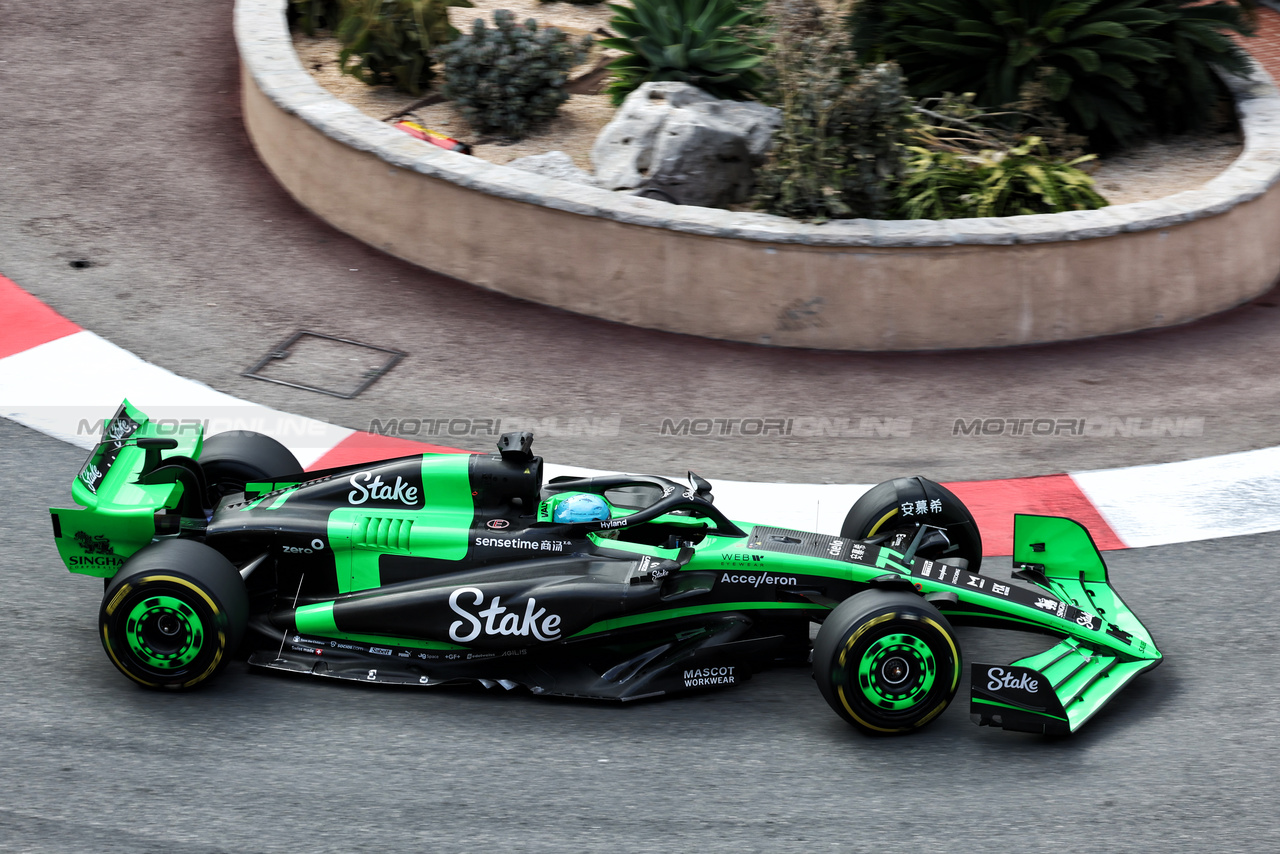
<point>173,615</point>
<point>884,507</point>
<point>887,662</point>
<point>232,459</point>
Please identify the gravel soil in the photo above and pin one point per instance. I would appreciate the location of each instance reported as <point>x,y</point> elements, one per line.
<point>1152,170</point>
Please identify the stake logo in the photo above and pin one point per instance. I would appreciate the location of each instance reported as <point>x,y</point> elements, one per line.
<point>119,430</point>
<point>497,620</point>
<point>91,475</point>
<point>998,679</point>
<point>377,490</point>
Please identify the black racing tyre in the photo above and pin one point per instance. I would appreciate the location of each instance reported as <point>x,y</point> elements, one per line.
<point>232,459</point>
<point>887,661</point>
<point>883,508</point>
<point>173,615</point>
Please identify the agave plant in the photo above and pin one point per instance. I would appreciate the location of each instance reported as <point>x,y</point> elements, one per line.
<point>1103,63</point>
<point>705,43</point>
<point>394,39</point>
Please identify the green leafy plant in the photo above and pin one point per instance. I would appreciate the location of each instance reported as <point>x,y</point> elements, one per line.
<point>943,184</point>
<point>839,150</point>
<point>393,40</point>
<point>1112,68</point>
<point>1181,93</point>
<point>508,78</point>
<point>314,15</point>
<point>705,43</point>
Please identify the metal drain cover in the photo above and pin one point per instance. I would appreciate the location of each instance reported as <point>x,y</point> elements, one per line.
<point>325,364</point>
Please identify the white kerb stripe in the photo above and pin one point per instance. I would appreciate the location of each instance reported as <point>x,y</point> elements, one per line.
<point>1222,496</point>
<point>66,386</point>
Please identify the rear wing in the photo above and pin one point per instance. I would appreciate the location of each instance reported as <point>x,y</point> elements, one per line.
<point>1056,691</point>
<point>118,514</point>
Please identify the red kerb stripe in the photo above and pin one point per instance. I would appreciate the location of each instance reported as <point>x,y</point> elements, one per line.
<point>993,503</point>
<point>25,322</point>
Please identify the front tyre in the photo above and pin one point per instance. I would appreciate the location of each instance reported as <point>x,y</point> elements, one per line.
<point>905,501</point>
<point>887,662</point>
<point>173,615</point>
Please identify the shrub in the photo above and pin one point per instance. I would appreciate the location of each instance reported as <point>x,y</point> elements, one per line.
<point>315,15</point>
<point>508,78</point>
<point>705,43</point>
<point>954,123</point>
<point>393,40</point>
<point>943,184</point>
<point>1113,69</point>
<point>839,150</point>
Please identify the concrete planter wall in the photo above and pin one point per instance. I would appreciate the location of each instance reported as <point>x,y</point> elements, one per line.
<point>849,285</point>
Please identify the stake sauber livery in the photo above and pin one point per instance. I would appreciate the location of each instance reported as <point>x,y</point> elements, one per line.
<point>447,568</point>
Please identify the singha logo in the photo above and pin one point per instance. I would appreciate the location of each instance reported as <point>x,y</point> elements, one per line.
<point>96,545</point>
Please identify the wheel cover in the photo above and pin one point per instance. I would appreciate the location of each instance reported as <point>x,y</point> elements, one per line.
<point>897,672</point>
<point>164,633</point>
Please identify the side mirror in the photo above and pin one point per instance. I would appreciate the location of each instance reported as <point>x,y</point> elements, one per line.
<point>701,487</point>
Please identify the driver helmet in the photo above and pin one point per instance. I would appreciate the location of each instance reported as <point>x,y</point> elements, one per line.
<point>581,508</point>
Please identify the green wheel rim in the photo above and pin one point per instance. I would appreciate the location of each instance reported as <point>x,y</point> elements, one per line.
<point>897,672</point>
<point>164,633</point>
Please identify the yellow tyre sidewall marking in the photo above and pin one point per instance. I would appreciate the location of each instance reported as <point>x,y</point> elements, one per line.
<point>885,518</point>
<point>181,582</point>
<point>955,675</point>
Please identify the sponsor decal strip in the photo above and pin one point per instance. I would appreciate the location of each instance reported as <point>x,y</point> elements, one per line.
<point>955,577</point>
<point>54,374</point>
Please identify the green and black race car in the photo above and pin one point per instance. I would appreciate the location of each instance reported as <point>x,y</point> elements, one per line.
<point>443,568</point>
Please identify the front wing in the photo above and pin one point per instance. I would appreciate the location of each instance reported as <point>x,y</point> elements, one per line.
<point>1056,691</point>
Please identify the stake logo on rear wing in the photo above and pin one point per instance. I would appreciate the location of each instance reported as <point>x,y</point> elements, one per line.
<point>114,434</point>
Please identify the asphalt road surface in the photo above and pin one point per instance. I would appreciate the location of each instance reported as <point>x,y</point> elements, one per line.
<point>121,145</point>
<point>1181,761</point>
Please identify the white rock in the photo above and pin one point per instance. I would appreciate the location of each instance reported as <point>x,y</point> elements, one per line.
<point>678,139</point>
<point>755,121</point>
<point>554,164</point>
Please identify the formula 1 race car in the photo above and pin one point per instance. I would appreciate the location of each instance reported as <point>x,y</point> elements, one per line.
<point>443,568</point>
